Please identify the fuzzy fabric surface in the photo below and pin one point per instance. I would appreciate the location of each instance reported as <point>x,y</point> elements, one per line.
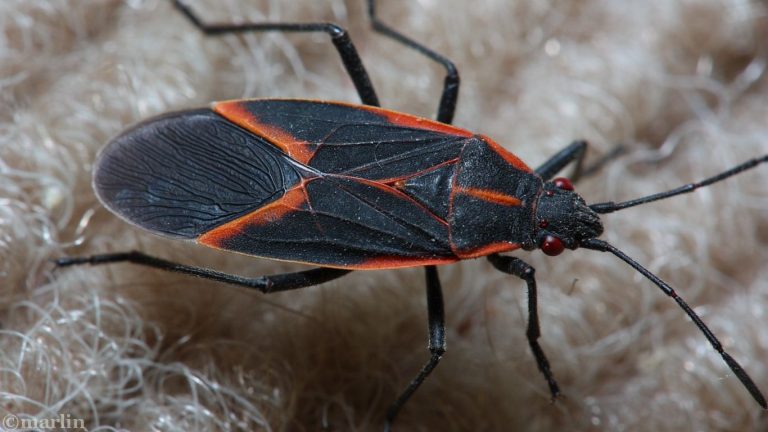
<point>681,85</point>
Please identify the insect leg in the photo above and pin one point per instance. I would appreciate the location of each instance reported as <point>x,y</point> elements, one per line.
<point>436,318</point>
<point>265,284</point>
<point>575,151</point>
<point>435,311</point>
<point>447,107</point>
<point>521,269</point>
<point>595,166</point>
<point>340,38</point>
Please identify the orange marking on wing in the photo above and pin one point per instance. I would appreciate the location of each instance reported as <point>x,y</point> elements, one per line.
<point>487,250</point>
<point>236,112</point>
<point>390,189</point>
<point>400,182</point>
<point>384,263</point>
<point>509,157</point>
<point>408,120</point>
<point>291,201</point>
<point>490,196</point>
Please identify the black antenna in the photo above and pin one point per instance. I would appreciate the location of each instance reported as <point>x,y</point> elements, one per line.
<point>603,246</point>
<point>610,206</point>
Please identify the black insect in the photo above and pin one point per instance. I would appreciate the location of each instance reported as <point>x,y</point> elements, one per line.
<point>355,187</point>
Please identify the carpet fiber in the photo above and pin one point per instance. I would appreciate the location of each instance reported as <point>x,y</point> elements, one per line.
<point>680,85</point>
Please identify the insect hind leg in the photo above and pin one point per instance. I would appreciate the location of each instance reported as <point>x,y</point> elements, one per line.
<point>436,319</point>
<point>339,37</point>
<point>265,284</point>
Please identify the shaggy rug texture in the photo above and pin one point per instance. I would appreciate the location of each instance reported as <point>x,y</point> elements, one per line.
<point>680,85</point>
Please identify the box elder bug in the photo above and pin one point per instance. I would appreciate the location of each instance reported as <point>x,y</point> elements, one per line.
<point>356,187</point>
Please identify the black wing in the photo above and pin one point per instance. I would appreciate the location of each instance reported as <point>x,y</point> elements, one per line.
<point>196,174</point>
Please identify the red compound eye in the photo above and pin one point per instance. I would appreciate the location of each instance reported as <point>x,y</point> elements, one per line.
<point>552,246</point>
<point>563,183</point>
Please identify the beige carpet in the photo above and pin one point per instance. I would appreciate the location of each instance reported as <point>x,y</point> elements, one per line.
<point>681,84</point>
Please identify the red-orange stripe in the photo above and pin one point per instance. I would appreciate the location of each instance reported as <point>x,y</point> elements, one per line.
<point>487,250</point>
<point>394,181</point>
<point>409,120</point>
<point>392,190</point>
<point>383,263</point>
<point>271,212</point>
<point>509,157</point>
<point>490,196</point>
<point>236,112</point>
